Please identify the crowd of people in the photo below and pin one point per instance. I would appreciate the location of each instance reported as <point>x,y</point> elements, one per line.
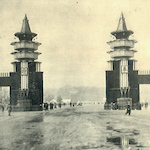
<point>45,106</point>
<point>51,106</point>
<point>144,105</point>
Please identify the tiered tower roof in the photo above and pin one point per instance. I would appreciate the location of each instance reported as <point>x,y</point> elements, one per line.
<point>25,33</point>
<point>122,31</point>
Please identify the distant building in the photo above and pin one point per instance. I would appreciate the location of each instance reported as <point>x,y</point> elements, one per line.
<point>66,101</point>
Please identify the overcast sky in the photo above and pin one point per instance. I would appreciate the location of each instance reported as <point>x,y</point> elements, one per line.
<point>73,34</point>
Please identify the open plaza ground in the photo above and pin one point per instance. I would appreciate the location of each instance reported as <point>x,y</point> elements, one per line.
<point>75,128</point>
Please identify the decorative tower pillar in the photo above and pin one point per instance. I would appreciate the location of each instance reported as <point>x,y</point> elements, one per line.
<point>120,67</point>
<point>27,71</point>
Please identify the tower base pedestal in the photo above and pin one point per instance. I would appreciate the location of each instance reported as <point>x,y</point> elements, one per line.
<point>123,102</point>
<point>23,105</point>
<point>26,105</point>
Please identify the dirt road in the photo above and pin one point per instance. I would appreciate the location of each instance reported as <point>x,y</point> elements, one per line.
<point>74,128</point>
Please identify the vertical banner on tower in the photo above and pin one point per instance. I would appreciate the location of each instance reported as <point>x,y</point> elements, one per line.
<point>124,73</point>
<point>24,75</point>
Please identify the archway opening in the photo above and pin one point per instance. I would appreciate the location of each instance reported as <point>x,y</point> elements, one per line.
<point>4,95</point>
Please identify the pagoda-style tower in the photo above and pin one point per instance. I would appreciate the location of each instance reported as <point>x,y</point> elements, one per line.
<point>26,90</point>
<point>122,77</point>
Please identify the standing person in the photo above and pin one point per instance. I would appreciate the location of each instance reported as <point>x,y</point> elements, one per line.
<point>128,110</point>
<point>70,104</point>
<point>46,106</point>
<point>9,109</point>
<point>54,105</point>
<point>51,105</point>
<point>2,108</point>
<point>59,105</point>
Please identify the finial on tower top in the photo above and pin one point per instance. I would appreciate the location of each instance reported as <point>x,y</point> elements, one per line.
<point>25,18</point>
<point>122,24</point>
<point>25,26</point>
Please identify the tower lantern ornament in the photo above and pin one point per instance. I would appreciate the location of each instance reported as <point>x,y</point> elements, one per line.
<point>121,71</point>
<point>27,89</point>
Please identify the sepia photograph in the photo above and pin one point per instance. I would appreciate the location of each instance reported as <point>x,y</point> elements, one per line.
<point>74,74</point>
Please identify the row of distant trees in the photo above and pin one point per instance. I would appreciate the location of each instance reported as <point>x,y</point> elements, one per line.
<point>51,96</point>
<point>82,94</point>
<point>59,98</point>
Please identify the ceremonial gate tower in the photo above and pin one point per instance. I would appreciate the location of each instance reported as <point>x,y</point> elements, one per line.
<point>122,79</point>
<point>26,80</point>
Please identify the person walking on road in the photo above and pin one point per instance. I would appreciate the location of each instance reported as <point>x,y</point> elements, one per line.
<point>9,109</point>
<point>60,105</point>
<point>128,110</point>
<point>2,108</point>
<point>55,105</point>
<point>51,105</point>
